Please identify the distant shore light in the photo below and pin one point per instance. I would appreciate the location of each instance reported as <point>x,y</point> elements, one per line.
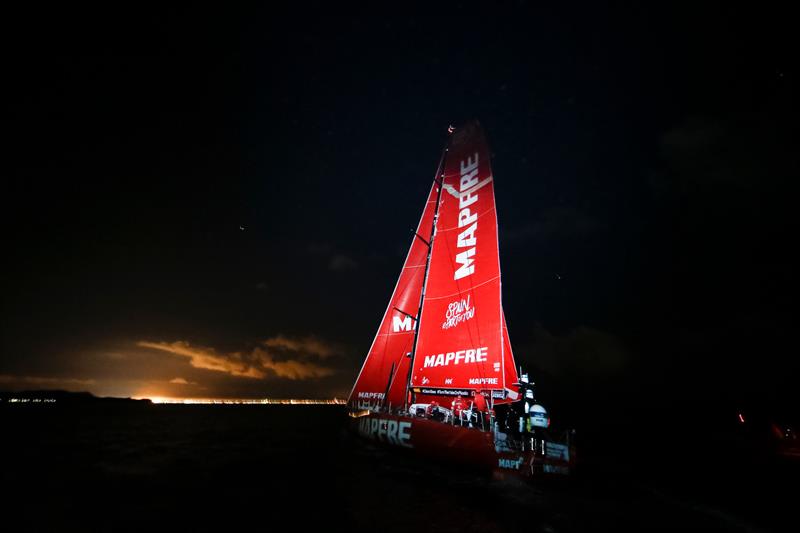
<point>244,401</point>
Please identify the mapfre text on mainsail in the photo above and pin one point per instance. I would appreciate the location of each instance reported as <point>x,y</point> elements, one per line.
<point>468,195</point>
<point>473,355</point>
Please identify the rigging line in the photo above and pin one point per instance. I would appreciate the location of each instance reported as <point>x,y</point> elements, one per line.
<point>486,212</point>
<point>503,326</point>
<point>409,315</point>
<point>397,370</point>
<point>420,237</point>
<point>393,334</point>
<point>457,194</point>
<point>385,355</point>
<point>440,173</point>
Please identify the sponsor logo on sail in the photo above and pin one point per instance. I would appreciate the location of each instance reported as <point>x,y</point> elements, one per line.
<point>366,395</point>
<point>468,195</point>
<point>472,355</point>
<point>457,312</point>
<point>483,381</point>
<point>402,323</point>
<point>368,400</point>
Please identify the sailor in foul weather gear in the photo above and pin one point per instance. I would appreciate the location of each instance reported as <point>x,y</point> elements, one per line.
<point>432,408</point>
<point>458,407</point>
<point>479,406</point>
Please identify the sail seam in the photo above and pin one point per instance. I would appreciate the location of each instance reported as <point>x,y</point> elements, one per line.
<point>488,211</point>
<point>472,287</point>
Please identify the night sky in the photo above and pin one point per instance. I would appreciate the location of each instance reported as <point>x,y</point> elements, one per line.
<point>217,204</point>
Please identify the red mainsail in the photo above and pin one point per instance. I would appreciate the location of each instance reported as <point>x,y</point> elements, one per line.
<point>383,377</point>
<point>461,344</point>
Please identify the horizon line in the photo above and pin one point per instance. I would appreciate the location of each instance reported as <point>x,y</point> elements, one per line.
<point>253,401</point>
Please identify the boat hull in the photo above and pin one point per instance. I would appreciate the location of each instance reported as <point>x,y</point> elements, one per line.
<point>484,450</point>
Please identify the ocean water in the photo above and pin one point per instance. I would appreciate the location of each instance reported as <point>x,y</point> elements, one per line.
<point>297,468</point>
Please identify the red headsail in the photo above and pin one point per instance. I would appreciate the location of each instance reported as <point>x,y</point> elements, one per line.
<point>387,361</point>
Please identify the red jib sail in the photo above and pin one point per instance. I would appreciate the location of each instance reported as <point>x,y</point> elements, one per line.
<point>382,380</point>
<point>461,343</point>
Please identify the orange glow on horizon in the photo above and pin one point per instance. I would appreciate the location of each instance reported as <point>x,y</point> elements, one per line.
<point>249,401</point>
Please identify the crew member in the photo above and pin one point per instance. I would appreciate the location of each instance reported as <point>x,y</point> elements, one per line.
<point>525,429</point>
<point>479,405</point>
<point>458,406</point>
<point>433,407</point>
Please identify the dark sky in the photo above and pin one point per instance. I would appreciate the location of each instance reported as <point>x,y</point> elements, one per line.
<point>645,165</point>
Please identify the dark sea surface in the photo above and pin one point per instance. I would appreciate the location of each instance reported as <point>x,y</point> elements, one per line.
<point>287,468</point>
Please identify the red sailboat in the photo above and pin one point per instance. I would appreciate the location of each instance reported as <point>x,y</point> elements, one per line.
<point>440,377</point>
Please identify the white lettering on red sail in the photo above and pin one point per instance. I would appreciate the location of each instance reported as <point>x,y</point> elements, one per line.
<point>382,380</point>
<point>458,312</point>
<point>484,381</point>
<point>370,395</point>
<point>472,355</point>
<point>460,344</point>
<point>402,323</point>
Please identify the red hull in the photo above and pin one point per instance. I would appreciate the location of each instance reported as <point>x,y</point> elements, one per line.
<point>463,445</point>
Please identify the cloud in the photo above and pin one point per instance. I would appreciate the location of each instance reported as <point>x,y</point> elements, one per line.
<point>291,368</point>
<point>179,381</point>
<point>309,345</point>
<point>40,381</point>
<point>207,358</point>
<point>295,358</point>
<point>280,356</point>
